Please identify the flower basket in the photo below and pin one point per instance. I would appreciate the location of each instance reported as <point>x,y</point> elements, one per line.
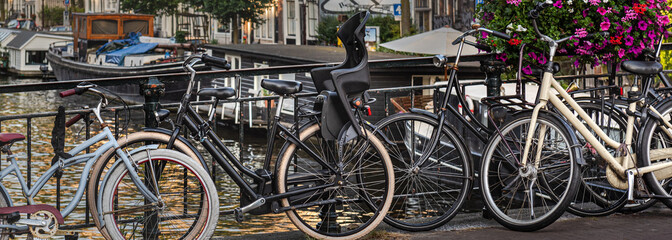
<point>632,25</point>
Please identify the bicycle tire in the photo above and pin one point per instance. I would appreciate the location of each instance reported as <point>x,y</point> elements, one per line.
<point>197,186</point>
<point>103,164</point>
<point>562,177</point>
<point>311,223</point>
<point>596,197</point>
<point>652,138</point>
<point>426,197</point>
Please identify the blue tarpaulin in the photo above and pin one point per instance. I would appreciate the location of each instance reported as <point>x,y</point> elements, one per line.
<point>117,57</point>
<point>111,46</point>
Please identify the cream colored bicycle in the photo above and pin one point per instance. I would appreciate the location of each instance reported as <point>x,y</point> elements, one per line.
<point>529,173</point>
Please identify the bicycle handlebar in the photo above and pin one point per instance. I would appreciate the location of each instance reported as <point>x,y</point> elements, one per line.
<point>215,61</point>
<point>74,119</point>
<point>534,13</point>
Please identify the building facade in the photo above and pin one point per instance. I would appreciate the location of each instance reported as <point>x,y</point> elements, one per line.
<point>28,8</point>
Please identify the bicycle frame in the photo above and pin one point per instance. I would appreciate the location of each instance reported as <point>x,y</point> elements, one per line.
<point>618,164</point>
<point>89,159</point>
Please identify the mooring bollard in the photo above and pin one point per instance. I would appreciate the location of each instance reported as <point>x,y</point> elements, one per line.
<point>152,90</point>
<point>493,70</point>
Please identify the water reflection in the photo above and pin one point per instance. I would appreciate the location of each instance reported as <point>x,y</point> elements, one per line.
<point>42,152</point>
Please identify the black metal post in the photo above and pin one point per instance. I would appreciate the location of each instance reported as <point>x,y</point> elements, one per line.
<point>493,70</point>
<point>153,89</point>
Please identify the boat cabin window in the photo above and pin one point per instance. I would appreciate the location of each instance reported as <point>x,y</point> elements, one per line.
<point>36,57</point>
<point>141,26</point>
<point>104,26</point>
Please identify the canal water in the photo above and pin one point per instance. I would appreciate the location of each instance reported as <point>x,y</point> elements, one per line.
<point>253,151</point>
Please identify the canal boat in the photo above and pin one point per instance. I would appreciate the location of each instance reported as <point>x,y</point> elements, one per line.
<point>108,45</point>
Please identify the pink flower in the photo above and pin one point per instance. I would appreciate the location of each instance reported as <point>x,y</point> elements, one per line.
<point>604,26</point>
<point>542,59</point>
<point>629,29</point>
<point>662,20</point>
<point>532,55</point>
<point>527,70</point>
<point>652,35</point>
<point>584,12</point>
<point>621,53</point>
<point>484,35</point>
<point>629,15</point>
<point>558,4</point>
<point>642,25</point>
<point>514,2</point>
<point>501,56</point>
<point>629,40</point>
<point>595,2</point>
<point>576,63</point>
<point>602,11</point>
<point>580,33</point>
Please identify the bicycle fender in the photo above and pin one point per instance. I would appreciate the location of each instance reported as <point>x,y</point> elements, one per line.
<point>572,135</point>
<point>106,178</point>
<point>201,159</point>
<point>423,112</point>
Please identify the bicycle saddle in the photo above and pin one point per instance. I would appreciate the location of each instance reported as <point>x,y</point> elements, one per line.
<point>9,138</point>
<point>642,67</point>
<point>219,93</point>
<point>281,87</point>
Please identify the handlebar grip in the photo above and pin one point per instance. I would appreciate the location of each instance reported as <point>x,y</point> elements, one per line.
<point>534,13</point>
<point>74,119</point>
<point>603,33</point>
<point>501,35</point>
<point>457,40</point>
<point>67,93</point>
<point>483,47</point>
<point>216,61</point>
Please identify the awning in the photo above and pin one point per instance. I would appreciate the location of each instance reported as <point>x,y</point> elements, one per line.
<point>437,41</point>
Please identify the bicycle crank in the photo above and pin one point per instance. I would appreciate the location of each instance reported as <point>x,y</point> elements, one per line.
<point>48,226</point>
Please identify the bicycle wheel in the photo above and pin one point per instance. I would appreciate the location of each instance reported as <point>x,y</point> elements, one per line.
<point>529,198</point>
<point>188,206</point>
<point>4,202</point>
<point>128,143</point>
<point>349,202</point>
<point>655,147</point>
<point>429,195</point>
<point>596,196</point>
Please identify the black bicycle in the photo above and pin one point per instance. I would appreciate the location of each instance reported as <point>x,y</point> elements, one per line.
<point>332,178</point>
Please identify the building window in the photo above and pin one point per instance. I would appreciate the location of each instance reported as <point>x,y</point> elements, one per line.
<point>223,28</point>
<point>440,7</point>
<point>421,4</point>
<point>291,17</point>
<point>36,57</point>
<point>312,19</point>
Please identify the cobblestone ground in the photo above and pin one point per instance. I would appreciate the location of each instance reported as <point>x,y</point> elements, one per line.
<point>655,223</point>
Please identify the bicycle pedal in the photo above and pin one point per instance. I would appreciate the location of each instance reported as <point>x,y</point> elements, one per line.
<point>238,215</point>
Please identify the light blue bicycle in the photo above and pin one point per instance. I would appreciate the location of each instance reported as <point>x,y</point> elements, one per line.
<point>150,194</point>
